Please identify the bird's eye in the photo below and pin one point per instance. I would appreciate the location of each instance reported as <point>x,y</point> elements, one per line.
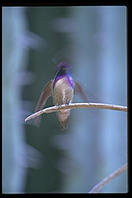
<point>64,68</point>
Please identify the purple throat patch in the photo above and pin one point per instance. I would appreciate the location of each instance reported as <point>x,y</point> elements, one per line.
<point>69,80</point>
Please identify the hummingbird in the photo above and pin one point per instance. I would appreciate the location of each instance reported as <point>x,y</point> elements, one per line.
<point>62,89</point>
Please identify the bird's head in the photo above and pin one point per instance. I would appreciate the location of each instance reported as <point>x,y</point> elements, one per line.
<point>63,66</point>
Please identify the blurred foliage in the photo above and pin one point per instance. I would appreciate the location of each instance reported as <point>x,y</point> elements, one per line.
<point>14,58</point>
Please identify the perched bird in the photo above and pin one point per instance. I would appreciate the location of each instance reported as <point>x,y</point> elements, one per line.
<point>62,88</point>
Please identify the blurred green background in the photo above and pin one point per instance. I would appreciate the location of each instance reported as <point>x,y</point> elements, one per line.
<point>46,159</point>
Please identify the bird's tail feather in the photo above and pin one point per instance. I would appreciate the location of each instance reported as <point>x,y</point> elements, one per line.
<point>63,118</point>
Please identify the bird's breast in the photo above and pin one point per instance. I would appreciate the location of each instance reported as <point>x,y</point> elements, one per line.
<point>62,92</point>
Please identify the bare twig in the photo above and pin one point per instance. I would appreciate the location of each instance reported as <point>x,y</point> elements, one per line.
<point>107,179</point>
<point>76,106</point>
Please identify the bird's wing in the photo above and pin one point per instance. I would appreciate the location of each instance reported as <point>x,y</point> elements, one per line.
<point>45,94</point>
<point>79,90</point>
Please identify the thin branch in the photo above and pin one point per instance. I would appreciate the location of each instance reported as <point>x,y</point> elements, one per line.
<point>107,179</point>
<point>76,106</point>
